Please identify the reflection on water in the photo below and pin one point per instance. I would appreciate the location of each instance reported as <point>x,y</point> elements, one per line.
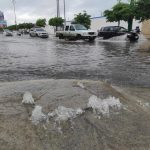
<point>117,61</point>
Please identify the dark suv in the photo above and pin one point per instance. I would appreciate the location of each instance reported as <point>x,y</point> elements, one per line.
<point>111,31</point>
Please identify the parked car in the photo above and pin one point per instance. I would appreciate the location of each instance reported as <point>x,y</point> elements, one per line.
<point>111,31</point>
<point>76,32</point>
<point>7,32</point>
<point>38,32</point>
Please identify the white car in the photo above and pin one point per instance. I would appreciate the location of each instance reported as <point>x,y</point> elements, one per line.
<point>7,32</point>
<point>76,32</point>
<point>38,32</point>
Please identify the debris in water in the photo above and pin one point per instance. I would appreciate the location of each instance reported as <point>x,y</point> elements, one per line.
<point>63,114</point>
<point>147,104</point>
<point>37,115</point>
<point>79,111</point>
<point>27,98</point>
<point>80,85</point>
<point>102,106</point>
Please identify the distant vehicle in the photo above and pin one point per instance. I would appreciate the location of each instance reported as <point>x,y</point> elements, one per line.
<point>24,31</point>
<point>38,32</point>
<point>7,32</point>
<point>76,32</point>
<point>111,31</point>
<point>133,36</point>
<point>137,30</point>
<point>18,33</point>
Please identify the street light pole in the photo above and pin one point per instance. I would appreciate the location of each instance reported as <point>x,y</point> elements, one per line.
<point>13,2</point>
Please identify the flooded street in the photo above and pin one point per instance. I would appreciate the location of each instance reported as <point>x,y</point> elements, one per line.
<point>115,61</point>
<point>74,75</point>
<point>58,108</point>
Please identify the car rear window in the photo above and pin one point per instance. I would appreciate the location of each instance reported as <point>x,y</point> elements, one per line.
<point>106,29</point>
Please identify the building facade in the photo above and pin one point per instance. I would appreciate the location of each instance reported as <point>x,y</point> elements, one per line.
<point>3,22</point>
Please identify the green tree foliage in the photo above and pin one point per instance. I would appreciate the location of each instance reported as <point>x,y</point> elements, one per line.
<point>12,27</point>
<point>1,29</point>
<point>56,22</point>
<point>121,11</point>
<point>25,26</point>
<point>84,19</point>
<point>21,26</point>
<point>138,9</point>
<point>142,10</point>
<point>41,22</point>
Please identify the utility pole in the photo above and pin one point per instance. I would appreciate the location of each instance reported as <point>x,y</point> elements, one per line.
<point>58,11</point>
<point>64,13</point>
<point>58,8</point>
<point>13,2</point>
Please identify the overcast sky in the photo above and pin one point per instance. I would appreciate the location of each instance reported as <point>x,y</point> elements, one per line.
<point>31,10</point>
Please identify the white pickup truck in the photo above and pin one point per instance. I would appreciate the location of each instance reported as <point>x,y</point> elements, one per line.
<point>76,32</point>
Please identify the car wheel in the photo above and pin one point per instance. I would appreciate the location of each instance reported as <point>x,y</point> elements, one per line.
<point>61,36</point>
<point>91,39</point>
<point>79,37</point>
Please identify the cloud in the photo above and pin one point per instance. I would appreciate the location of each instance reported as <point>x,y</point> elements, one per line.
<point>31,10</point>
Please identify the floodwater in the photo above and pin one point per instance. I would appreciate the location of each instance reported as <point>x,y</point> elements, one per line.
<point>115,61</point>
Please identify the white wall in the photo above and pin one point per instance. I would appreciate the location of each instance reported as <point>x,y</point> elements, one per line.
<point>49,29</point>
<point>97,23</point>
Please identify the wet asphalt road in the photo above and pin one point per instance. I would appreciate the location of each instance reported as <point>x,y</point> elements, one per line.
<point>116,61</point>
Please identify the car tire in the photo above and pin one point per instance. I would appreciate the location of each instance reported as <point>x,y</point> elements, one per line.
<point>79,37</point>
<point>61,36</point>
<point>91,39</point>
